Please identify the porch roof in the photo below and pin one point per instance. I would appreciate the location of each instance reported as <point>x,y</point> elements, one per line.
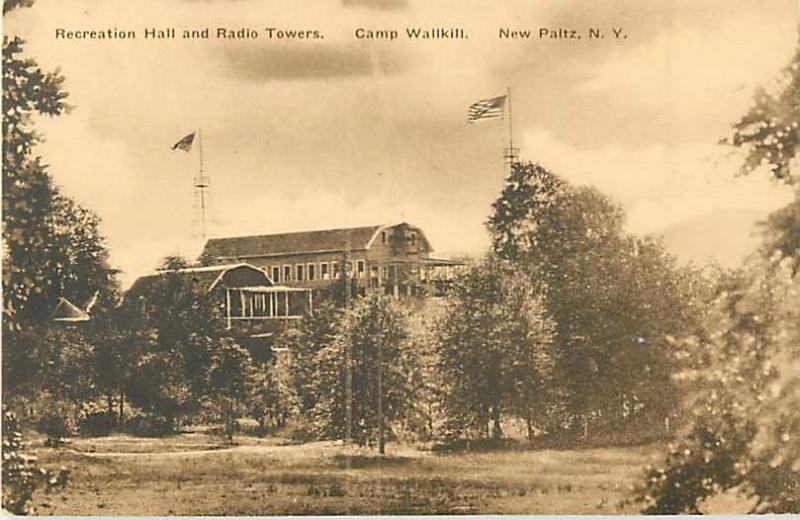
<point>268,289</point>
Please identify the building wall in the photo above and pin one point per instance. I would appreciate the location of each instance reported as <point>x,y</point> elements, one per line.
<point>292,261</point>
<point>371,266</point>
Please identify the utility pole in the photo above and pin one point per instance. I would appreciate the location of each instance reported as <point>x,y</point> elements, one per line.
<point>348,349</point>
<point>381,447</point>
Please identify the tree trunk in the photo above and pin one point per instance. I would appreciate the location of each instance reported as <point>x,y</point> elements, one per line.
<point>229,426</point>
<point>529,425</point>
<point>121,407</point>
<point>381,447</point>
<point>497,430</point>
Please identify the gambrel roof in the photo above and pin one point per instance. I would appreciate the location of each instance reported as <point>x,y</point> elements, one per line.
<point>319,241</point>
<point>206,278</point>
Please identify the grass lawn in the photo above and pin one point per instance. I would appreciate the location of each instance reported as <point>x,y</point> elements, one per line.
<point>194,474</point>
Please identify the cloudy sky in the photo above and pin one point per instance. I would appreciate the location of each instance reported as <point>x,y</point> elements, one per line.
<point>339,131</point>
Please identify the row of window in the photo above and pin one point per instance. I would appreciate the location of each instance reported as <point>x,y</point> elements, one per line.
<point>312,271</point>
<point>412,237</point>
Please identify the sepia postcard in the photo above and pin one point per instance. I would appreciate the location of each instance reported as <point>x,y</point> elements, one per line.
<point>400,257</point>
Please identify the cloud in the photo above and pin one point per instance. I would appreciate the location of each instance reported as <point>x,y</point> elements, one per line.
<point>336,132</point>
<point>381,5</point>
<point>660,185</point>
<point>331,60</point>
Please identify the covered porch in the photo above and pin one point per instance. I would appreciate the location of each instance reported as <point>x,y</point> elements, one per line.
<point>263,303</point>
<point>400,277</point>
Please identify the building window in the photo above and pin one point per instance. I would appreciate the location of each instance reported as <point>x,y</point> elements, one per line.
<point>385,272</point>
<point>360,266</point>
<point>413,239</point>
<point>312,272</point>
<point>324,272</point>
<point>335,269</point>
<point>276,273</point>
<point>299,272</point>
<point>287,273</point>
<point>383,237</point>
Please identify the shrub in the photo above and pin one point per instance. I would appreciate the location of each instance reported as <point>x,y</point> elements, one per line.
<point>21,476</point>
<point>300,430</point>
<point>54,425</point>
<point>150,426</point>
<point>250,427</point>
<point>97,423</point>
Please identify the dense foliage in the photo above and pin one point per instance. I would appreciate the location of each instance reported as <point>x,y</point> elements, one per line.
<point>21,475</point>
<point>495,354</point>
<point>231,383</point>
<point>770,130</point>
<point>52,245</point>
<point>52,249</point>
<point>743,400</point>
<point>614,298</point>
<point>743,384</point>
<point>366,349</point>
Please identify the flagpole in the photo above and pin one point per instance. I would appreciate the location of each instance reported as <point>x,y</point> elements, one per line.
<point>200,148</point>
<point>510,125</point>
<point>201,186</point>
<point>510,152</point>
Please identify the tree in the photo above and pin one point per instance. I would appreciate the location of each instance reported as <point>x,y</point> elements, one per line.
<point>315,332</point>
<point>769,131</point>
<point>782,233</point>
<point>52,245</point>
<point>232,383</point>
<point>423,415</point>
<point>494,350</point>
<point>21,475</point>
<point>274,399</point>
<point>374,331</point>
<point>49,378</point>
<point>9,5</point>
<point>528,196</point>
<point>175,339</point>
<point>532,388</point>
<point>743,396</point>
<point>113,362</point>
<point>743,390</point>
<point>614,298</point>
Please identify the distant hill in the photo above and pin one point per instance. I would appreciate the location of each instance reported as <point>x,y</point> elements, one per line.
<point>726,236</point>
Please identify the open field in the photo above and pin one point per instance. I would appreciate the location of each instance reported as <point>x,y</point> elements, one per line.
<point>194,474</point>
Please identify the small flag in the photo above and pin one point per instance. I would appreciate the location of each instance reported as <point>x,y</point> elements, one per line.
<point>487,109</point>
<point>184,144</point>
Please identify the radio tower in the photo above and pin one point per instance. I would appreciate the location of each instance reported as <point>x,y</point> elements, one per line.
<point>201,183</point>
<point>510,154</point>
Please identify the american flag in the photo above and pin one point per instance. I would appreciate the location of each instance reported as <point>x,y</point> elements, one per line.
<point>487,109</point>
<point>185,143</point>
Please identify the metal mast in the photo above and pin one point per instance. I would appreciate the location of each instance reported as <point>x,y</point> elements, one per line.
<point>201,183</point>
<point>510,154</point>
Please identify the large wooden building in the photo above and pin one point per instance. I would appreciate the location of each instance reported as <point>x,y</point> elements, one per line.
<point>393,259</point>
